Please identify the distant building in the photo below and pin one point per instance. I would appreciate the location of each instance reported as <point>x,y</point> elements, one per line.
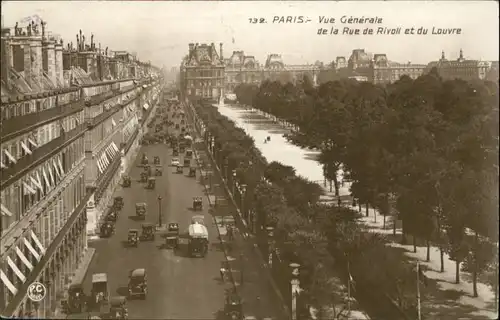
<point>385,71</point>
<point>241,68</point>
<point>202,72</point>
<point>460,68</point>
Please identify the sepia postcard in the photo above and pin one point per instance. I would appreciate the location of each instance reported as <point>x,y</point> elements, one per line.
<point>239,160</point>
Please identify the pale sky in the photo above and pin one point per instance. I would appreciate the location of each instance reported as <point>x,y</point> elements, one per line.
<point>160,31</point>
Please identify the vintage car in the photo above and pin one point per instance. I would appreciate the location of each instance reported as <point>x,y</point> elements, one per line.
<point>148,231</point>
<point>144,176</point>
<point>187,162</point>
<point>180,169</point>
<point>107,229</point>
<point>197,203</point>
<point>158,172</point>
<point>144,160</point>
<point>175,162</point>
<point>151,183</point>
<point>140,210</point>
<point>137,284</point>
<point>117,308</point>
<point>156,160</point>
<point>189,154</point>
<point>111,216</point>
<point>172,236</point>
<point>175,152</point>
<point>126,182</point>
<point>182,148</point>
<point>233,307</point>
<point>198,240</point>
<point>147,170</point>
<point>133,237</point>
<point>99,291</point>
<point>192,172</point>
<point>77,299</point>
<point>118,203</point>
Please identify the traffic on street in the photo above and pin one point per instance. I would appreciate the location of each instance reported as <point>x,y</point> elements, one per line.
<point>178,286</point>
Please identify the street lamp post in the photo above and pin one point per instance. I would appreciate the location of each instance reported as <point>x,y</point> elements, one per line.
<point>234,181</point>
<point>159,211</point>
<point>295,286</point>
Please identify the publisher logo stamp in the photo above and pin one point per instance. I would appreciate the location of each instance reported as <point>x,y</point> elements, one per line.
<point>36,291</point>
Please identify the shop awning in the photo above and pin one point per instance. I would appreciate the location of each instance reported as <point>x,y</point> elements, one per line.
<point>31,249</point>
<point>7,283</point>
<point>5,211</point>
<point>37,184</point>
<point>25,148</point>
<point>27,189</point>
<point>115,147</point>
<point>99,165</point>
<point>32,142</point>
<point>37,241</point>
<point>146,106</point>
<point>47,181</point>
<point>56,169</point>
<point>16,270</point>
<point>11,158</point>
<point>51,176</point>
<point>23,258</point>
<point>60,166</point>
<point>113,122</point>
<point>2,165</point>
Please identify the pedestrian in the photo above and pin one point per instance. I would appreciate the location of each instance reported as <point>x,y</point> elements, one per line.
<point>222,273</point>
<point>230,233</point>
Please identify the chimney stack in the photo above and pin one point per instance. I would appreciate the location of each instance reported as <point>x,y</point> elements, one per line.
<point>58,61</point>
<point>6,52</point>
<point>221,52</point>
<point>191,48</point>
<point>49,59</point>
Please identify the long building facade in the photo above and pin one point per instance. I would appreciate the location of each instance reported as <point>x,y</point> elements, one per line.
<point>70,121</point>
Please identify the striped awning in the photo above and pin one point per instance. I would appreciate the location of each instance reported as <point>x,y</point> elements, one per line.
<point>11,158</point>
<point>7,283</point>
<point>113,122</point>
<point>25,148</point>
<point>61,169</point>
<point>51,176</point>
<point>16,270</point>
<point>56,169</point>
<point>37,183</point>
<point>5,211</point>
<point>33,143</point>
<point>46,178</point>
<point>28,189</point>
<point>146,106</point>
<point>99,165</point>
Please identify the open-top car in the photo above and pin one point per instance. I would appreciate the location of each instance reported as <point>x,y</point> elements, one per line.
<point>198,219</point>
<point>144,176</point>
<point>133,237</point>
<point>140,210</point>
<point>187,162</point>
<point>156,160</point>
<point>144,160</point>
<point>233,307</point>
<point>158,172</point>
<point>117,308</point>
<point>118,203</point>
<point>151,183</point>
<point>172,236</point>
<point>77,299</point>
<point>148,231</point>
<point>198,240</point>
<point>197,203</point>
<point>180,169</point>
<point>138,285</point>
<point>111,216</point>
<point>126,181</point>
<point>107,229</point>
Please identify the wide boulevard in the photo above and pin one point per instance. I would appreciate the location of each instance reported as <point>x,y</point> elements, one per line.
<point>179,287</point>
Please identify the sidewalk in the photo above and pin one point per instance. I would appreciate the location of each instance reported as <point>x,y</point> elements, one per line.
<point>77,278</point>
<point>247,270</point>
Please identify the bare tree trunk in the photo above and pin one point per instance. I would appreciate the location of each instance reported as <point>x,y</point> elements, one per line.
<point>384,222</point>
<point>457,272</point>
<point>394,224</point>
<point>476,267</point>
<point>337,188</point>
<point>428,258</point>
<point>441,249</point>
<point>404,240</point>
<point>366,209</point>
<point>414,238</point>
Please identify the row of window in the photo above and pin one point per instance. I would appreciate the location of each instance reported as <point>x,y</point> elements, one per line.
<point>92,91</point>
<point>23,194</point>
<point>24,145</point>
<point>204,83</point>
<point>27,252</point>
<point>36,105</point>
<point>205,73</point>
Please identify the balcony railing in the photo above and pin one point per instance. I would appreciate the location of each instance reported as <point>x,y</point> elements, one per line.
<point>17,126</point>
<point>39,155</point>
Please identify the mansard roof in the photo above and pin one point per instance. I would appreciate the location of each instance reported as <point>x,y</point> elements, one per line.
<point>203,55</point>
